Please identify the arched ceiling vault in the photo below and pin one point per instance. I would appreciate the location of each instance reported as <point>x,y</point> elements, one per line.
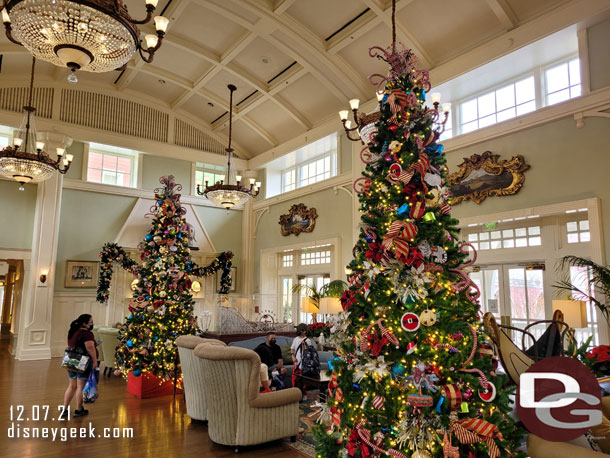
<point>296,62</point>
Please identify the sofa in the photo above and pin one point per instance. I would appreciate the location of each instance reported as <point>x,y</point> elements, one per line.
<point>238,414</point>
<point>192,375</point>
<point>284,343</point>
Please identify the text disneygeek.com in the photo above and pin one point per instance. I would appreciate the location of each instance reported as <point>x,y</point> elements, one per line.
<point>19,430</point>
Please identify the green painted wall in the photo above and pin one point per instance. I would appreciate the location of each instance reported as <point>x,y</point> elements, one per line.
<point>76,168</point>
<point>88,220</point>
<point>566,164</point>
<point>154,167</point>
<point>334,220</point>
<point>225,230</point>
<point>17,209</point>
<point>345,154</point>
<point>598,37</point>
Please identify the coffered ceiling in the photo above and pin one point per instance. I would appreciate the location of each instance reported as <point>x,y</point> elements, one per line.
<point>296,62</point>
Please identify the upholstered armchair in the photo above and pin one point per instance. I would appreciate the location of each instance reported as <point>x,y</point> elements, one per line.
<point>192,375</point>
<point>110,340</point>
<point>238,414</point>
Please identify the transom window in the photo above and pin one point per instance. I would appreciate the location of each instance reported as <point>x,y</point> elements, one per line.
<point>112,165</point>
<point>314,162</point>
<point>287,260</point>
<point>315,257</point>
<point>208,172</point>
<point>578,231</point>
<point>507,238</point>
<point>562,82</point>
<point>514,99</point>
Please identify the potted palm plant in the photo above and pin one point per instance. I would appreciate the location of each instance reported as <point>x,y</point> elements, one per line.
<point>597,280</point>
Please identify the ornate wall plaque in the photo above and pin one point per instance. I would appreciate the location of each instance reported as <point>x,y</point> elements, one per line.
<point>486,175</point>
<point>299,219</point>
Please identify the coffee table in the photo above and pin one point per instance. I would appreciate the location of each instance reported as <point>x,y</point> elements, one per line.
<point>320,382</point>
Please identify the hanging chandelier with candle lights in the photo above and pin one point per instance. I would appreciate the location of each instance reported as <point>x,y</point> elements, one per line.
<point>90,35</point>
<point>26,161</point>
<point>230,192</point>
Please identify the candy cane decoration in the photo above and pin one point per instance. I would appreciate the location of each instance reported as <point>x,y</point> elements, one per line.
<point>450,347</point>
<point>365,436</point>
<point>475,341</point>
<point>362,185</point>
<point>384,333</point>
<point>466,283</point>
<point>366,156</point>
<point>369,231</point>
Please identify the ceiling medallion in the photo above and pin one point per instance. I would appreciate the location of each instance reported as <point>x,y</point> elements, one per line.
<point>26,162</point>
<point>90,35</point>
<point>230,192</point>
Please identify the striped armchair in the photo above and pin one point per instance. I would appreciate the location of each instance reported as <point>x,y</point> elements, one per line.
<point>192,375</point>
<point>238,414</point>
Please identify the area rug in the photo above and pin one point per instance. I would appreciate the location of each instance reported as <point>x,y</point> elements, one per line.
<point>305,443</point>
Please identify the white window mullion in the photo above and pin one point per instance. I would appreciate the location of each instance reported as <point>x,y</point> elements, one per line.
<point>540,88</point>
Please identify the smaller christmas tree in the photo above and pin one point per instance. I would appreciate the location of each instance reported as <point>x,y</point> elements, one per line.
<point>162,304</point>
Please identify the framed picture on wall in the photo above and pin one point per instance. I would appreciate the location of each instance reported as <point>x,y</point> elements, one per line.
<point>81,274</point>
<point>233,287</point>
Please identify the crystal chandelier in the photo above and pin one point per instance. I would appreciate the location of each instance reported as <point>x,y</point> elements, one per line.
<point>230,192</point>
<point>26,161</point>
<point>91,35</point>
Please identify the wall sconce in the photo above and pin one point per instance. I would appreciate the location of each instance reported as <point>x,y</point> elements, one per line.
<point>195,286</point>
<point>348,271</point>
<point>43,275</point>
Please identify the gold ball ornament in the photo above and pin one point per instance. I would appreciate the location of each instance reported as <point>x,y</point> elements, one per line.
<point>421,454</point>
<point>428,317</point>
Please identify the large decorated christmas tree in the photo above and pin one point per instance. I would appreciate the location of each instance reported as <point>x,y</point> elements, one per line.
<point>162,304</point>
<point>415,376</point>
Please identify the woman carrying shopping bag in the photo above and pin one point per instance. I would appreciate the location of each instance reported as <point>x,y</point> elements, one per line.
<point>80,342</point>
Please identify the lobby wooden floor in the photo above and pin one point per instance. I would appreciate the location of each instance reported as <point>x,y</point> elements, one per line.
<point>161,427</point>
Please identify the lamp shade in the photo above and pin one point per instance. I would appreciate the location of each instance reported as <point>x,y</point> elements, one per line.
<point>308,305</point>
<point>330,306</point>
<point>574,312</point>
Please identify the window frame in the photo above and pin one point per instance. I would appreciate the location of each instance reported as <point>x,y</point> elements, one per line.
<point>136,169</point>
<point>197,168</point>
<point>543,70</point>
<point>298,170</point>
<point>456,120</point>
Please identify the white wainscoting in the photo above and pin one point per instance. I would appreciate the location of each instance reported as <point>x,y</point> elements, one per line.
<point>68,305</point>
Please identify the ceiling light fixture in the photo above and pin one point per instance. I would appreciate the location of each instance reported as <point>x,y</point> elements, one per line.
<point>90,35</point>
<point>230,192</point>
<point>26,161</point>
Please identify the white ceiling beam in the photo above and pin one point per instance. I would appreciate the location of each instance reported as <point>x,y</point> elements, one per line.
<point>402,34</point>
<point>303,45</point>
<point>174,11</point>
<point>283,6</point>
<point>355,30</point>
<point>504,13</point>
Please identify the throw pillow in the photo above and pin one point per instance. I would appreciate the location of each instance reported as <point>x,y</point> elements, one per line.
<point>286,355</point>
<point>602,432</point>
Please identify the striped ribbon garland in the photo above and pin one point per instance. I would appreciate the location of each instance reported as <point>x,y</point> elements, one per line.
<point>474,430</point>
<point>398,228</point>
<point>397,174</point>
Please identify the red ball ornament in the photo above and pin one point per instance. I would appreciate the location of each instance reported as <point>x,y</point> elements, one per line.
<point>489,394</point>
<point>392,128</point>
<point>410,322</point>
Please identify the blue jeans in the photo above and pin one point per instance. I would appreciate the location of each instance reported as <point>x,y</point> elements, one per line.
<point>76,375</point>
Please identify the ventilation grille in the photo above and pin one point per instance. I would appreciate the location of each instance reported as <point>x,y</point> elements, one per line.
<point>191,137</point>
<point>14,98</point>
<point>113,114</point>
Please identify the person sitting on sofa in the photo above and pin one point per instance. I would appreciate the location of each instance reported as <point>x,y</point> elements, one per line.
<point>271,354</point>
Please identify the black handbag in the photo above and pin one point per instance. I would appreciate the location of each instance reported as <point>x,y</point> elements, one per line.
<point>77,360</point>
